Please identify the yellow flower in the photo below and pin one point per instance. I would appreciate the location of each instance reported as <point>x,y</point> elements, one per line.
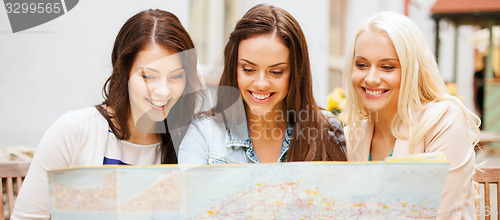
<point>336,100</point>
<point>332,104</point>
<point>452,88</point>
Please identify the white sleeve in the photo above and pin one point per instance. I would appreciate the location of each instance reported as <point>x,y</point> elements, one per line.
<point>54,151</point>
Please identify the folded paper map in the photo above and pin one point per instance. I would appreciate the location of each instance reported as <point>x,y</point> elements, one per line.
<point>393,189</point>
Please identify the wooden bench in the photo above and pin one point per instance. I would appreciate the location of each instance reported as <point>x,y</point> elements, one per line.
<point>12,175</point>
<point>484,203</point>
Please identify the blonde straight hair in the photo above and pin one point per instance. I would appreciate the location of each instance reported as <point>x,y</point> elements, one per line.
<point>422,87</point>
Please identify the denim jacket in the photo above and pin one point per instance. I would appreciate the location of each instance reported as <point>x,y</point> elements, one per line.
<point>209,141</point>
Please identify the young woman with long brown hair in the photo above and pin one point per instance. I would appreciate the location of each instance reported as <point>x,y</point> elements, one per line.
<point>266,61</point>
<point>149,101</point>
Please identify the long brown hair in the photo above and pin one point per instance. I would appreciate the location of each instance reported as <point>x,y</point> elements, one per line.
<point>265,19</point>
<point>165,29</point>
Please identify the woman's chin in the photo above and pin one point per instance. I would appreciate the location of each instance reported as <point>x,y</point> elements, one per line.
<point>257,110</point>
<point>157,116</point>
<point>151,122</point>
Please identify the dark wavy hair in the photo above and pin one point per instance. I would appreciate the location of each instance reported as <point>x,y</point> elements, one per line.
<point>165,29</point>
<point>263,20</point>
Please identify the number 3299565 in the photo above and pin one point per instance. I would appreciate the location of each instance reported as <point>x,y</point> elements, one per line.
<point>33,8</point>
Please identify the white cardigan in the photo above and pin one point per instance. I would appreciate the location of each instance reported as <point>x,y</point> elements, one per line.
<point>78,138</point>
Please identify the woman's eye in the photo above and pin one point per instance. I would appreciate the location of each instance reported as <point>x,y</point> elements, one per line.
<point>248,70</point>
<point>361,65</point>
<point>177,76</point>
<point>147,76</point>
<point>276,72</point>
<point>388,68</point>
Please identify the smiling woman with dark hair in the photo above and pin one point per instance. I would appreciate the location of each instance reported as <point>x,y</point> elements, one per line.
<point>149,101</point>
<point>266,60</point>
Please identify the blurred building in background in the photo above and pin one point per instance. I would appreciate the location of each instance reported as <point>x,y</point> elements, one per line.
<point>62,65</point>
<point>484,17</point>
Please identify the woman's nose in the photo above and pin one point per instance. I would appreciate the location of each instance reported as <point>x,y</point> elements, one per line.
<point>372,78</point>
<point>161,89</point>
<point>261,82</point>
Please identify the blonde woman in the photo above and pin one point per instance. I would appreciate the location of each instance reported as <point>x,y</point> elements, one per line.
<point>398,105</point>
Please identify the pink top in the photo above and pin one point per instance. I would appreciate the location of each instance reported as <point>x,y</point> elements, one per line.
<point>451,136</point>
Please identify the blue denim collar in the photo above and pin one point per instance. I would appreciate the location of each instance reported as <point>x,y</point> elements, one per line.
<point>236,141</point>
